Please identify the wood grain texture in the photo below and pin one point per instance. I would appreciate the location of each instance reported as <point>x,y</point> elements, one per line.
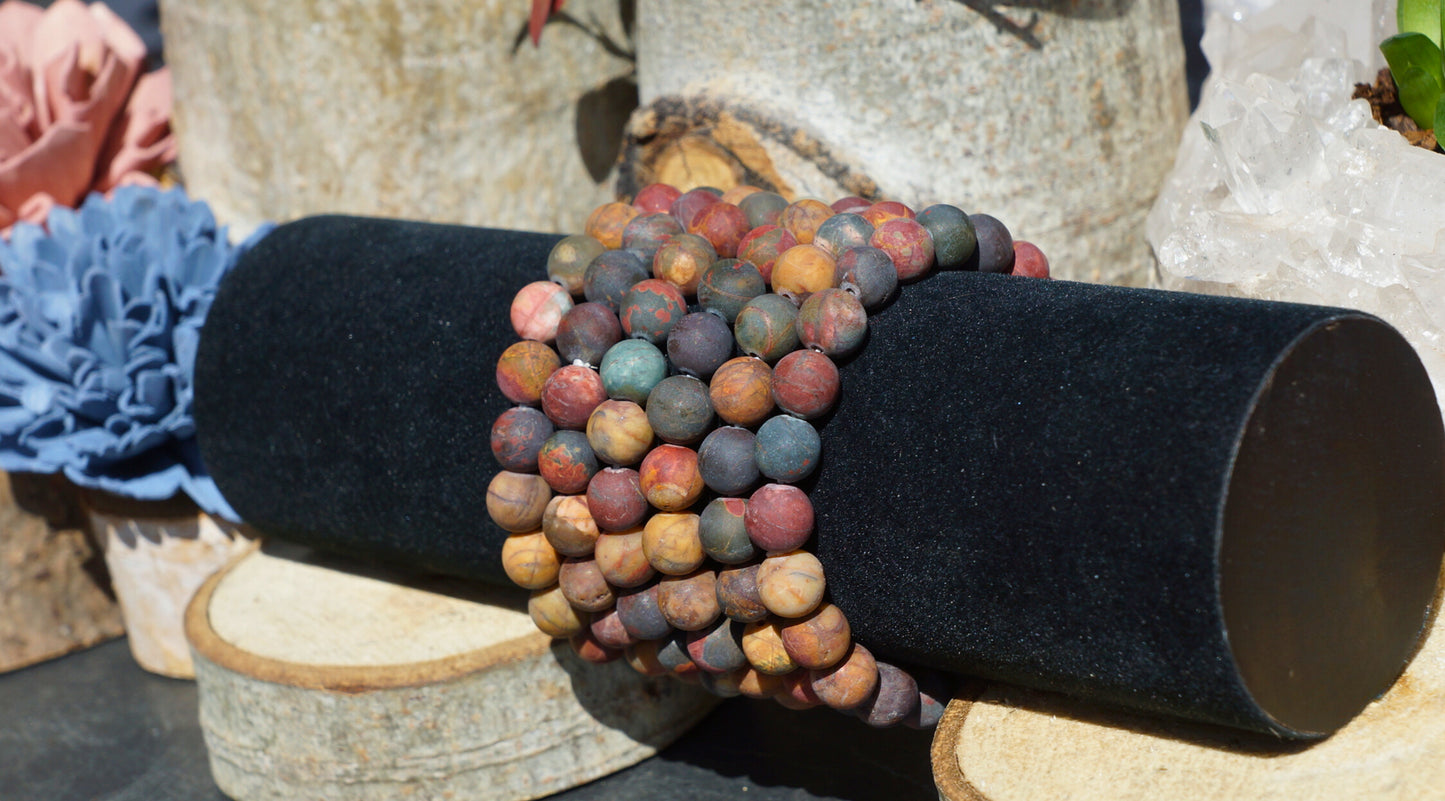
<point>307,690</point>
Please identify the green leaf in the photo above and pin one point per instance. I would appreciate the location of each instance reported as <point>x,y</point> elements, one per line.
<point>1415,63</point>
<point>1420,16</point>
<point>1439,121</point>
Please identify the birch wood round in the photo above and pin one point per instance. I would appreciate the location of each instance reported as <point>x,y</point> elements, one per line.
<point>1008,744</point>
<point>321,679</point>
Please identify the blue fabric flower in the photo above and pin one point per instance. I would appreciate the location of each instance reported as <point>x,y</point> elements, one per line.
<point>99,322</point>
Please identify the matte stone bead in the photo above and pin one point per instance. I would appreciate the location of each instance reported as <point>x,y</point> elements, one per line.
<point>607,222</point>
<point>895,697</point>
<point>656,198</point>
<point>583,585</point>
<point>787,449</point>
<point>718,649</point>
<point>567,462</point>
<point>722,224</point>
<point>868,273</point>
<point>523,370</point>
<point>819,640</point>
<point>669,478</point>
<point>953,237</point>
<point>641,616</point>
<point>647,233</point>
<point>762,246</point>
<point>552,614</point>
<point>689,203</point>
<point>620,557</point>
<point>756,684</point>
<point>797,692</point>
<point>763,645</point>
<point>679,410</point>
<point>741,391</point>
<point>727,286</point>
<point>610,275</point>
<point>516,501</point>
<point>723,685</point>
<point>569,259</point>
<point>791,584</point>
<point>586,645</point>
<point>651,309</point>
<point>933,693</point>
<point>802,270</point>
<point>765,327</point>
<point>619,432</point>
<point>725,461</point>
<point>735,194</point>
<point>631,368</point>
<point>852,204</point>
<point>779,517</point>
<point>517,438</point>
<point>671,543</point>
<point>529,561</point>
<point>737,594</point>
<point>721,530</point>
<point>841,232</point>
<point>614,496</point>
<point>1029,261</point>
<point>849,683</point>
<point>700,344</point>
<point>832,321</point>
<point>803,217</point>
<point>805,384</point>
<point>885,210</point>
<point>908,245</point>
<point>568,525</point>
<point>689,602</point>
<point>607,628</point>
<point>586,332</point>
<point>570,395</point>
<point>995,251</point>
<point>538,308</point>
<point>642,657</point>
<point>672,654</point>
<point>763,208</point>
<point>683,261</point>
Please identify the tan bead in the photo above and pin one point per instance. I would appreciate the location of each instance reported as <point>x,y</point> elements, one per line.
<point>568,525</point>
<point>530,561</point>
<point>619,433</point>
<point>607,221</point>
<point>791,584</point>
<point>819,640</point>
<point>671,543</point>
<point>669,478</point>
<point>517,501</point>
<point>757,684</point>
<point>802,270</point>
<point>584,586</point>
<point>741,391</point>
<point>642,656</point>
<point>689,603</point>
<point>552,613</point>
<point>763,646</point>
<point>621,559</point>
<point>848,683</point>
<point>802,218</point>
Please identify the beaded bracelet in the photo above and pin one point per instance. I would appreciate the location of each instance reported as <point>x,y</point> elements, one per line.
<point>601,486</point>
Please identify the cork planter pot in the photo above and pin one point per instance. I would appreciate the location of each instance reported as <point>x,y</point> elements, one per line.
<point>158,554</point>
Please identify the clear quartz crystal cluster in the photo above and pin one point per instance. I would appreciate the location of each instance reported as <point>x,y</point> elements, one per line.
<point>1286,189</point>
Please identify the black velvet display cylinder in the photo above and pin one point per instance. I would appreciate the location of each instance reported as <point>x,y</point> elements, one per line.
<point>1219,509</point>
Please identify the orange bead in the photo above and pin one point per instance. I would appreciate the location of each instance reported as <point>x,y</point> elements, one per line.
<point>523,371</point>
<point>741,391</point>
<point>552,614</point>
<point>672,545</point>
<point>885,210</point>
<point>757,684</point>
<point>819,640</point>
<point>803,217</point>
<point>802,270</point>
<point>606,222</point>
<point>850,682</point>
<point>763,645</point>
<point>670,479</point>
<point>530,561</point>
<point>619,433</point>
<point>621,559</point>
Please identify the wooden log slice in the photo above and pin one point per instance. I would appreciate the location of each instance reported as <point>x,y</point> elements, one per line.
<point>322,679</point>
<point>1007,744</point>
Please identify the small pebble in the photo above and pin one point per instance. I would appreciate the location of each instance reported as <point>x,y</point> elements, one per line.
<point>610,275</point>
<point>805,384</point>
<point>895,698</point>
<point>727,286</point>
<point>833,322</point>
<point>587,332</point>
<point>802,270</point>
<point>700,344</point>
<point>803,217</point>
<point>787,449</point>
<point>908,245</point>
<point>640,615</point>
<point>762,246</point>
<point>954,239</point>
<point>679,411</point>
<point>608,630</point>
<point>647,233</point>
<point>725,461</point>
<point>619,432</point>
<point>607,222</point>
<point>763,646</point>
<point>1029,261</point>
<point>849,683</point>
<point>690,203</point>
<point>819,640</point>
<point>718,649</point>
<point>656,198</point>
<point>683,261</point>
<point>670,479</point>
<point>567,462</point>
<point>631,368</point>
<point>841,232</point>
<point>722,224</point>
<point>763,208</point>
<point>869,274</point>
<point>779,518</point>
<point>765,327</point>
<point>741,391</point>
<point>651,309</point>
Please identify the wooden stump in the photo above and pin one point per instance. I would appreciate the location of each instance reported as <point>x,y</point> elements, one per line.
<point>322,680</point>
<point>1009,744</point>
<point>55,596</point>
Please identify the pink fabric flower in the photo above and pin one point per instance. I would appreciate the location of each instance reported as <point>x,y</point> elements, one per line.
<point>76,115</point>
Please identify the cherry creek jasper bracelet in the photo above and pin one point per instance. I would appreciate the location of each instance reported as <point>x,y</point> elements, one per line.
<point>618,560</point>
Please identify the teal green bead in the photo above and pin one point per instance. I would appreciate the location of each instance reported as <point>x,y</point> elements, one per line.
<point>787,449</point>
<point>727,286</point>
<point>679,410</point>
<point>765,327</point>
<point>631,368</point>
<point>954,237</point>
<point>722,532</point>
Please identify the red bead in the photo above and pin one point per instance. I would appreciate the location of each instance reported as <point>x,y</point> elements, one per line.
<point>567,463</point>
<point>655,198</point>
<point>570,395</point>
<point>587,646</point>
<point>851,204</point>
<point>608,629</point>
<point>651,308</point>
<point>1029,261</point>
<point>779,517</point>
<point>762,246</point>
<point>669,477</point>
<point>615,499</point>
<point>805,384</point>
<point>690,203</point>
<point>832,321</point>
<point>908,244</point>
<point>885,210</point>
<point>722,225</point>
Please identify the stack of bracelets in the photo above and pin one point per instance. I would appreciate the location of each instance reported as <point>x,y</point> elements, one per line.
<point>652,499</point>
